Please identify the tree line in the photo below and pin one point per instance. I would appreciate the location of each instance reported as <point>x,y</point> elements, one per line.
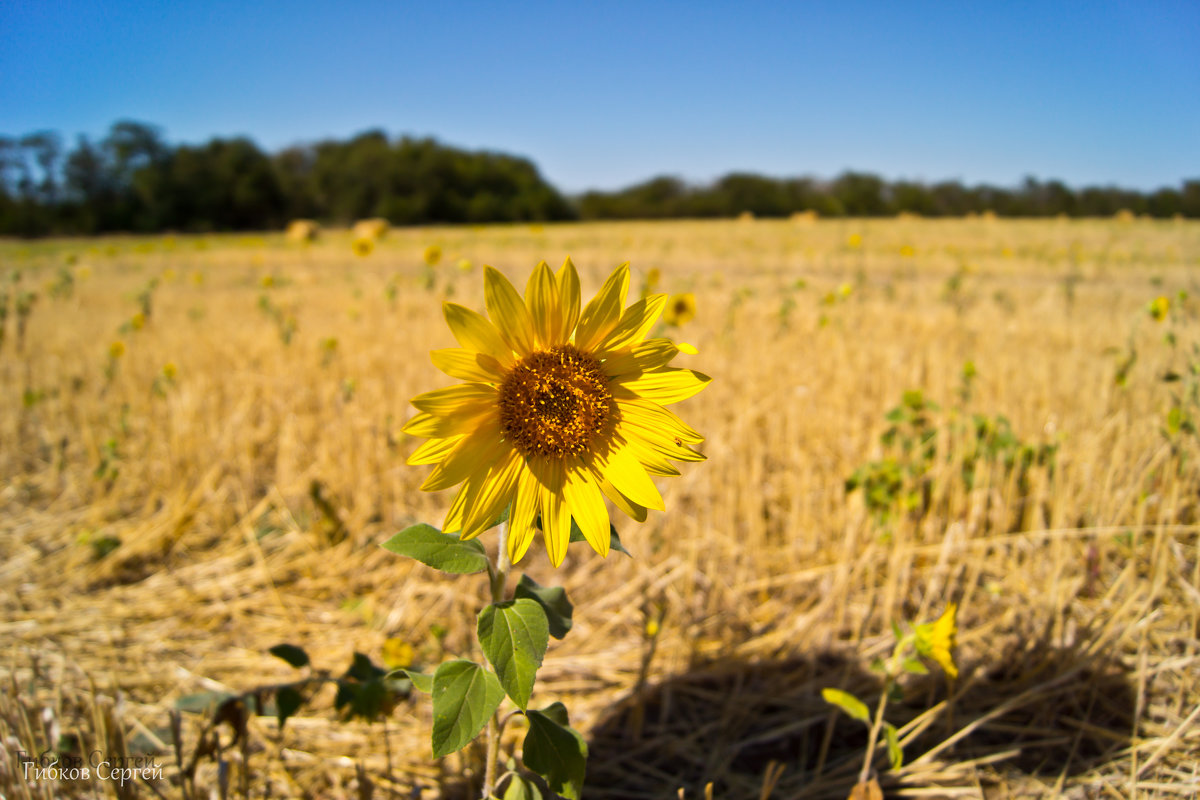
<point>133,180</point>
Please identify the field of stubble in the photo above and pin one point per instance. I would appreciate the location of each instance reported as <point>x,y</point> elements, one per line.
<point>219,482</point>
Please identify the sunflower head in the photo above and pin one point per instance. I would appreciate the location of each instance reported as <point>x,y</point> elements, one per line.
<point>681,309</point>
<point>561,407</point>
<point>363,246</point>
<point>1159,307</point>
<point>936,640</point>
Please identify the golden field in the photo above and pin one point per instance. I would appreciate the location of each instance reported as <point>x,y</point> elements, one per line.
<point>219,482</point>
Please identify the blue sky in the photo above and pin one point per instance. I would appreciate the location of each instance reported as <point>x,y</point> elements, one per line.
<point>605,94</point>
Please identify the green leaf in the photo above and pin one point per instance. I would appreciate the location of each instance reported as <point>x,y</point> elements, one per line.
<point>848,703</point>
<point>420,681</point>
<point>362,668</point>
<point>522,789</point>
<point>439,550</point>
<point>915,666</point>
<point>553,600</point>
<point>465,695</point>
<point>287,702</point>
<point>895,754</point>
<point>556,751</point>
<point>614,539</point>
<point>514,636</point>
<point>291,654</point>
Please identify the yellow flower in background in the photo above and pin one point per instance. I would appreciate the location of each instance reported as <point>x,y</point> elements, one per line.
<point>397,653</point>
<point>936,640</point>
<point>137,321</point>
<point>465,265</point>
<point>1159,307</point>
<point>681,309</point>
<point>363,247</point>
<point>116,350</point>
<point>561,408</point>
<point>169,370</point>
<point>432,255</point>
<point>854,241</point>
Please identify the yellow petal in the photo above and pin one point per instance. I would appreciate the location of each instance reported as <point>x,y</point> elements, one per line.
<point>652,462</point>
<point>647,414</point>
<point>458,507</point>
<point>556,519</point>
<point>659,443</point>
<point>568,294</point>
<point>448,401</point>
<point>520,519</point>
<point>635,511</point>
<point>465,420</point>
<point>604,312</point>
<point>541,296</point>
<point>619,465</point>
<point>635,323</point>
<point>474,332</point>
<point>508,311</point>
<point>433,451</point>
<point>641,357</point>
<point>586,505</point>
<point>476,449</point>
<point>495,494</point>
<point>468,365</point>
<point>664,386</point>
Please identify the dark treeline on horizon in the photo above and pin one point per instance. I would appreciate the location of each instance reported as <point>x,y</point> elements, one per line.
<point>133,181</point>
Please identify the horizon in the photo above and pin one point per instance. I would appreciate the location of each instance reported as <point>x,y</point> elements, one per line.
<point>607,98</point>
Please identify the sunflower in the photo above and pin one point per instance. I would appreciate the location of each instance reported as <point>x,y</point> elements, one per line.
<point>681,309</point>
<point>363,246</point>
<point>936,640</point>
<point>561,408</point>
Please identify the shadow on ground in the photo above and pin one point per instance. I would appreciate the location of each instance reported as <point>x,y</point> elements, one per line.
<point>725,722</point>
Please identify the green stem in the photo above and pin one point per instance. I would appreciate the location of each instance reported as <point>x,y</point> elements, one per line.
<point>499,577</point>
<point>865,773</point>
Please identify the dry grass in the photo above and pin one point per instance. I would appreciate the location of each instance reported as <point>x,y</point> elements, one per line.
<point>1079,584</point>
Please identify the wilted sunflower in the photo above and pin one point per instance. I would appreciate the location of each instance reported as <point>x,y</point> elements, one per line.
<point>561,408</point>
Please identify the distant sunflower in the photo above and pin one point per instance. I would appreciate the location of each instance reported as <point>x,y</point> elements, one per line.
<point>363,246</point>
<point>681,309</point>
<point>561,408</point>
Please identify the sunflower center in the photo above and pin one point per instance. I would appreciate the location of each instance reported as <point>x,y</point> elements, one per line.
<point>554,402</point>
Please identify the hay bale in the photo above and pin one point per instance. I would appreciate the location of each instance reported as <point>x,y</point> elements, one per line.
<point>302,230</point>
<point>374,229</point>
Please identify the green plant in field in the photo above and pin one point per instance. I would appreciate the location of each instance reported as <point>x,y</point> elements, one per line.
<point>116,351</point>
<point>285,321</point>
<point>992,441</point>
<point>109,468</point>
<point>901,482</point>
<point>1183,411</point>
<point>932,641</point>
<point>562,406</point>
<point>24,308</point>
<point>365,691</point>
<point>898,483</point>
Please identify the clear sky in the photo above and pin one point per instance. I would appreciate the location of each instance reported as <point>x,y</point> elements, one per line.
<point>604,94</point>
